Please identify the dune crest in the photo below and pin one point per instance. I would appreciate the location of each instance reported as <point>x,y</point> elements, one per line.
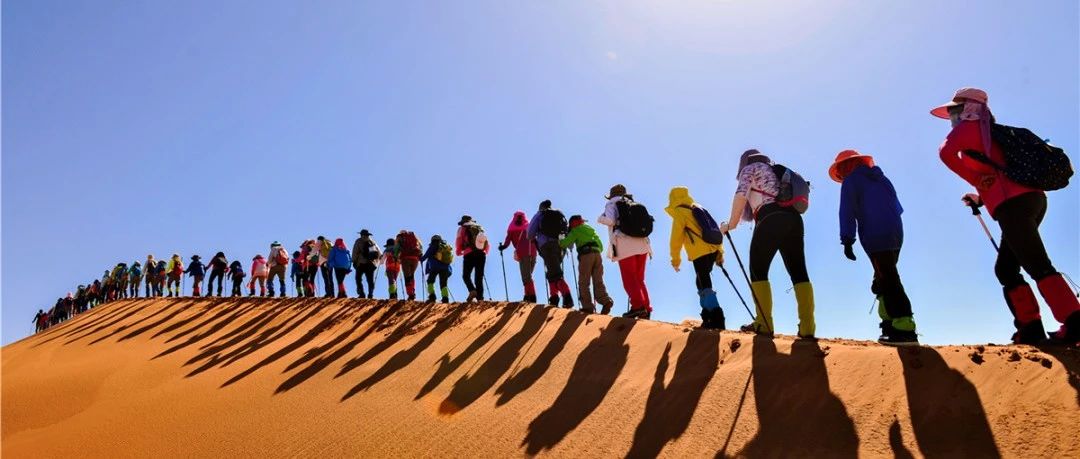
<point>312,377</point>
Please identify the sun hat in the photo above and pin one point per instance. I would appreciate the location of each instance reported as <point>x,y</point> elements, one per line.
<point>848,155</point>
<point>365,232</point>
<point>464,219</point>
<point>617,190</point>
<point>962,95</point>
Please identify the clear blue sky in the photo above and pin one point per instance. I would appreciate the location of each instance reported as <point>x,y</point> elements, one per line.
<point>157,127</point>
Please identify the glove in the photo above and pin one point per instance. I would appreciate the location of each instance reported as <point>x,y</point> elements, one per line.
<point>972,199</point>
<point>502,247</point>
<point>724,228</point>
<point>849,252</point>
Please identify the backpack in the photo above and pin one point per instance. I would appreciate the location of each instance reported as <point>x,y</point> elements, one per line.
<point>136,271</point>
<point>1029,160</point>
<point>371,252</point>
<point>445,254</point>
<point>634,219</point>
<point>710,231</point>
<point>280,257</point>
<point>178,269</point>
<point>553,223</point>
<point>409,245</point>
<point>794,189</point>
<point>475,235</point>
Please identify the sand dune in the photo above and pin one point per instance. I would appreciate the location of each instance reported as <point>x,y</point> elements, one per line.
<point>274,378</point>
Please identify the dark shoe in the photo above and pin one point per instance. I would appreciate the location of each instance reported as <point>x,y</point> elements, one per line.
<point>753,328</point>
<point>445,300</point>
<point>340,295</point>
<point>282,295</point>
<point>1031,333</point>
<point>472,296</point>
<point>641,313</point>
<point>712,319</point>
<point>1069,334</point>
<point>529,299</point>
<point>900,338</point>
<point>567,302</point>
<point>328,295</point>
<point>431,298</point>
<point>370,296</point>
<point>393,296</point>
<point>588,310</point>
<point>606,309</point>
<point>412,297</point>
<point>553,300</point>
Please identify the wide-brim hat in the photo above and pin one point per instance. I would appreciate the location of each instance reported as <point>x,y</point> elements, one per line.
<point>464,219</point>
<point>962,95</point>
<point>844,156</point>
<point>364,232</point>
<point>617,190</point>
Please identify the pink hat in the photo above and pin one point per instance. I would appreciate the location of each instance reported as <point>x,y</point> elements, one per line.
<point>962,95</point>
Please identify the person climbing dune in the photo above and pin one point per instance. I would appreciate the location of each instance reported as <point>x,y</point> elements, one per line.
<point>691,225</point>
<point>517,235</point>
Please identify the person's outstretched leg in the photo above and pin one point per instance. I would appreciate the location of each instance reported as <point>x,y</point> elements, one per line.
<point>431,287</point>
<point>481,263</point>
<point>468,266</point>
<point>444,277</point>
<point>369,274</point>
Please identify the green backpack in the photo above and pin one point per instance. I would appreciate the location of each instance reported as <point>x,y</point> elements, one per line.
<point>445,253</point>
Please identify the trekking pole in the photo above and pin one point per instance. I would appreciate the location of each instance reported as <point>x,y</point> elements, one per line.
<point>737,293</point>
<point>757,304</point>
<point>487,286</point>
<point>978,214</point>
<point>375,282</point>
<point>506,289</point>
<point>573,265</point>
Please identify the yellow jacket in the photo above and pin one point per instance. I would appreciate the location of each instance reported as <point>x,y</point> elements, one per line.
<point>685,230</point>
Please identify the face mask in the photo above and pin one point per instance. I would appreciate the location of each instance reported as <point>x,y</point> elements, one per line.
<point>954,118</point>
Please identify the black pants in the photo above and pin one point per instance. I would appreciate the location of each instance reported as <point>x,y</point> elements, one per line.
<point>443,276</point>
<point>779,229</point>
<point>341,274</point>
<point>552,255</point>
<point>298,280</point>
<point>237,286</point>
<point>328,279</point>
<point>220,275</point>
<point>887,284</point>
<point>472,270</point>
<point>1021,245</point>
<point>365,271</point>
<point>703,267</point>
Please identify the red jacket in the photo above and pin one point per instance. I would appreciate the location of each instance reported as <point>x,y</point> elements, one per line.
<point>993,186</point>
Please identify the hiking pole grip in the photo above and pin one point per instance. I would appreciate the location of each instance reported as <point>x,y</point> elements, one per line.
<point>974,207</point>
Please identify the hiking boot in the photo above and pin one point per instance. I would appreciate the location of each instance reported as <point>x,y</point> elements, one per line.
<point>411,297</point>
<point>342,295</point>
<point>752,327</point>
<point>1069,333</point>
<point>1031,333</point>
<point>431,298</point>
<point>606,309</point>
<point>370,296</point>
<point>282,295</point>
<point>588,310</point>
<point>529,299</point>
<point>328,295</point>
<point>713,319</point>
<point>393,296</point>
<point>553,300</point>
<point>900,338</point>
<point>472,296</point>
<point>640,313</point>
<point>445,300</point>
<point>567,302</point>
<point>811,338</point>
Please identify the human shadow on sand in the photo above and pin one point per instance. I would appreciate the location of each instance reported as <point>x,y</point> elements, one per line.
<point>1070,359</point>
<point>669,408</point>
<point>797,413</point>
<point>448,365</point>
<point>522,380</point>
<point>594,373</point>
<point>946,412</point>
<point>89,319</point>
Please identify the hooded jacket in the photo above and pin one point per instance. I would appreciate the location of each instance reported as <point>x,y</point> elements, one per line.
<point>259,267</point>
<point>868,202</point>
<point>236,269</point>
<point>339,256</point>
<point>621,246</point>
<point>994,186</point>
<point>517,234</point>
<point>685,230</point>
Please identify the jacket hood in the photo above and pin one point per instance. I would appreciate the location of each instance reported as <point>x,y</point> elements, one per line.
<point>514,226</point>
<point>679,196</point>
<point>258,257</point>
<point>340,243</point>
<point>873,173</point>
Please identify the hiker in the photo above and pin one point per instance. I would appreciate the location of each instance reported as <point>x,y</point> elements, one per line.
<point>629,226</point>
<point>392,261</point>
<point>310,252</point>
<point>236,274</point>
<point>365,258</point>
<point>545,229</point>
<point>591,264</point>
<point>197,270</point>
<point>296,272</point>
<point>979,151</point>
<point>41,321</point>
<point>340,261</point>
<point>219,265</point>
<point>517,234</point>
<point>95,292</point>
<point>323,246</point>
<point>81,299</point>
<point>259,272</point>
<point>438,258</point>
<point>471,244</point>
<point>160,274</point>
<point>278,263</point>
<point>151,275</point>
<point>175,271</point>
<point>409,250</point>
<point>693,229</point>
<point>868,203</point>
<point>120,279</point>
<point>779,228</point>
<point>135,275</point>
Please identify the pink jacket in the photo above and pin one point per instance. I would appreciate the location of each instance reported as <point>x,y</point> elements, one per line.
<point>259,267</point>
<point>518,235</point>
<point>993,186</point>
<point>462,246</point>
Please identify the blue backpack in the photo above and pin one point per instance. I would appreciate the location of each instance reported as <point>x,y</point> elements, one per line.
<point>710,231</point>
<point>136,271</point>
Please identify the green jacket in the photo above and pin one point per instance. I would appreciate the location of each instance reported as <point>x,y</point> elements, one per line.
<point>583,235</point>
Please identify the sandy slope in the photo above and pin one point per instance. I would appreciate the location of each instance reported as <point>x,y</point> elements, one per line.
<point>252,377</point>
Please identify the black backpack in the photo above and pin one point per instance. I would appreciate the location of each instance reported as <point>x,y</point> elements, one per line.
<point>634,219</point>
<point>1029,160</point>
<point>553,223</point>
<point>794,189</point>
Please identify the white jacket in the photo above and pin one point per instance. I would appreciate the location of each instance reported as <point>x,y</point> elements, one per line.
<point>621,245</point>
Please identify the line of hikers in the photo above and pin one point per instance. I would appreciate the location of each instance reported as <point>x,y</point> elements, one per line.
<point>1010,168</point>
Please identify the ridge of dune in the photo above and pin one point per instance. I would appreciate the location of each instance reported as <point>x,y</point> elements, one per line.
<point>317,377</point>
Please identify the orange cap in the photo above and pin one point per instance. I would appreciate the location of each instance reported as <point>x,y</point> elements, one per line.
<point>848,155</point>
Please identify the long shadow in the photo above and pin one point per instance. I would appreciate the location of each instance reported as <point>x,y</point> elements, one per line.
<point>245,349</point>
<point>224,316</point>
<point>311,334</point>
<point>319,364</point>
<point>593,375</point>
<point>121,318</point>
<point>405,357</point>
<point>96,316</point>
<point>216,327</point>
<point>668,409</point>
<point>177,309</point>
<point>447,366</point>
<point>1070,359</point>
<point>946,412</point>
<point>403,329</point>
<point>896,442</point>
<point>524,379</point>
<point>124,327</point>
<point>797,413</point>
<point>239,305</point>
<point>469,388</point>
<point>234,337</point>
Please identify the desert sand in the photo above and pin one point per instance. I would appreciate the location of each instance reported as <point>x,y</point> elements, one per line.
<point>360,378</point>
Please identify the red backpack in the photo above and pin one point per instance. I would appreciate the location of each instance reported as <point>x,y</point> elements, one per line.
<point>410,246</point>
<point>280,257</point>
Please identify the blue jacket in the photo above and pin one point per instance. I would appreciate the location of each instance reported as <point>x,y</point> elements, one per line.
<point>196,269</point>
<point>432,265</point>
<point>296,269</point>
<point>868,202</point>
<point>340,258</point>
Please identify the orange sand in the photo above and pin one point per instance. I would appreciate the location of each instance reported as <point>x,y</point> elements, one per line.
<point>352,378</point>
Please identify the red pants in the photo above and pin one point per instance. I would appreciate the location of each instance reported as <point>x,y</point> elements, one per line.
<point>633,280</point>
